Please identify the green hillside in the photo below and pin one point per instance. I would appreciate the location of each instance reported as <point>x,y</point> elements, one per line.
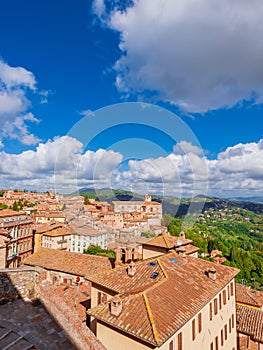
<point>234,227</point>
<point>237,232</point>
<point>176,207</point>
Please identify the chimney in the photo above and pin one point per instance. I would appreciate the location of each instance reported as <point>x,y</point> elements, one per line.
<point>131,269</point>
<point>212,274</point>
<point>182,235</point>
<point>116,306</point>
<point>182,252</point>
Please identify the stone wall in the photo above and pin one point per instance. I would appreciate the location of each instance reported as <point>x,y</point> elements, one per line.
<point>31,284</point>
<point>77,331</point>
<point>17,283</point>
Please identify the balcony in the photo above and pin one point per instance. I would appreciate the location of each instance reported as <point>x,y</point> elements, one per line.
<point>62,241</point>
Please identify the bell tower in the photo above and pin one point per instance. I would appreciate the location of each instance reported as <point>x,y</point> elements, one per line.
<point>147,198</point>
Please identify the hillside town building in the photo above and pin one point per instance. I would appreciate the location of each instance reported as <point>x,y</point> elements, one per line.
<point>83,235</point>
<point>147,210</point>
<point>164,243</point>
<point>48,217</point>
<point>41,229</point>
<point>58,238</point>
<point>16,237</point>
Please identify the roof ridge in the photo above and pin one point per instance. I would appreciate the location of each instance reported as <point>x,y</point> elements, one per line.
<point>253,297</point>
<point>151,319</point>
<point>164,238</point>
<point>162,268</point>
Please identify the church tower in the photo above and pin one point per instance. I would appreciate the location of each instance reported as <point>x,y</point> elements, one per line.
<point>147,198</point>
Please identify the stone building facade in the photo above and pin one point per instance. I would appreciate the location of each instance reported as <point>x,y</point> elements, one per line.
<point>16,238</point>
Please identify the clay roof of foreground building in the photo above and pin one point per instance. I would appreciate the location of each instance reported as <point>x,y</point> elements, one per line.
<point>167,241</point>
<point>180,289</point>
<point>120,282</point>
<point>73,263</point>
<point>246,295</point>
<point>249,322</point>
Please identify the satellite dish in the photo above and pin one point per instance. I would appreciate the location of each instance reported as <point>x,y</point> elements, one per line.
<point>179,242</point>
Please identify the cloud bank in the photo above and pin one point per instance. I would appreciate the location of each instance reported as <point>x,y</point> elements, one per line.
<point>62,163</point>
<point>200,55</point>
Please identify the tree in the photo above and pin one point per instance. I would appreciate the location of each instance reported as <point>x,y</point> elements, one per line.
<point>166,220</point>
<point>97,250</point>
<point>175,227</point>
<point>86,200</point>
<point>3,206</point>
<point>15,206</point>
<point>211,245</point>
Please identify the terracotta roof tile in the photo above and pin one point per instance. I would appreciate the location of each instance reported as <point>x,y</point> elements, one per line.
<point>180,291</point>
<point>119,281</point>
<point>62,231</point>
<point>41,228</point>
<point>246,295</point>
<point>84,229</point>
<point>10,212</point>
<point>73,263</point>
<point>250,322</point>
<point>189,249</point>
<point>167,241</point>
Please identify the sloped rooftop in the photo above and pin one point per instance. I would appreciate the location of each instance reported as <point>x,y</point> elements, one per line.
<point>73,263</point>
<point>250,322</point>
<point>248,296</point>
<point>181,289</point>
<point>167,241</point>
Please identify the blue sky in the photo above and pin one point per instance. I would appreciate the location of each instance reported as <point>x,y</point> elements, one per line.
<point>64,61</point>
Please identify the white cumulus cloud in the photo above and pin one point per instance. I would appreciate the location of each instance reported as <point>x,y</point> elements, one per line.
<point>200,55</point>
<point>16,76</point>
<point>64,164</point>
<point>60,163</point>
<point>186,147</point>
<point>15,82</point>
<point>238,171</point>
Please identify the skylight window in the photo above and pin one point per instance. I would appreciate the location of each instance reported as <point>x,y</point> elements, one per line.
<point>152,263</point>
<point>154,275</point>
<point>174,261</point>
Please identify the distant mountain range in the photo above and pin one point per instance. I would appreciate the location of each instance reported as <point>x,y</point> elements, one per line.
<point>177,206</point>
<point>248,199</point>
